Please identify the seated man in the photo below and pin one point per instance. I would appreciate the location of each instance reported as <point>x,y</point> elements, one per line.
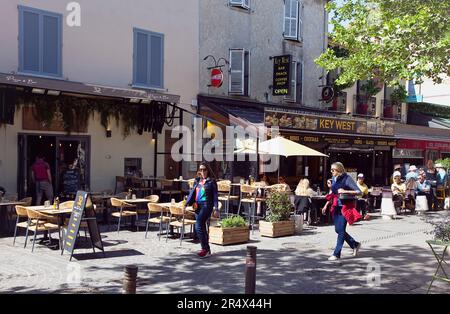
<point>424,188</point>
<point>398,191</point>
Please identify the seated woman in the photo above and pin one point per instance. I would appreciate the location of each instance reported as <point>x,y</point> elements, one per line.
<point>302,201</point>
<point>398,191</point>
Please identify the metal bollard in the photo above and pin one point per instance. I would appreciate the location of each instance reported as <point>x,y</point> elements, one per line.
<point>250,270</point>
<point>129,280</point>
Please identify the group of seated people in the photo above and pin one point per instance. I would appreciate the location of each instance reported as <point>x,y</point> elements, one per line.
<point>418,182</point>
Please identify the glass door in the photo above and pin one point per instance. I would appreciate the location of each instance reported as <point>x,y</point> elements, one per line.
<point>72,157</point>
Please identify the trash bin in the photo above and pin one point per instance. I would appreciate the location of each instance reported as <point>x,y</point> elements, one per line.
<point>298,219</point>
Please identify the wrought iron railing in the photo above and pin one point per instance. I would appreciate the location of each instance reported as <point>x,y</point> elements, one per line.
<point>364,105</point>
<point>391,110</point>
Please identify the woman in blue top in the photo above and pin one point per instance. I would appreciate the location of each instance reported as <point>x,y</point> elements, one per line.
<point>203,196</point>
<point>342,184</point>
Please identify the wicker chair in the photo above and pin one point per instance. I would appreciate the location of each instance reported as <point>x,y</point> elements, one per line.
<point>224,189</point>
<point>41,225</point>
<point>121,205</point>
<point>178,214</point>
<point>21,213</point>
<point>154,208</point>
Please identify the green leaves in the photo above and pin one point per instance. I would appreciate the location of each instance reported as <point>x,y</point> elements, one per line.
<point>393,40</point>
<point>279,206</point>
<point>233,221</point>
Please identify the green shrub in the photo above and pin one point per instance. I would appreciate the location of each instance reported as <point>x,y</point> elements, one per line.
<point>279,207</point>
<point>233,221</point>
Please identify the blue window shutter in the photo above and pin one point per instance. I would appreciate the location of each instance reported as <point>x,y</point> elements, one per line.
<point>51,45</point>
<point>156,60</point>
<point>30,56</point>
<point>141,51</point>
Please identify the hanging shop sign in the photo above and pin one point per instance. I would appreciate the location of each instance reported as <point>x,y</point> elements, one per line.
<point>294,120</point>
<point>281,75</point>
<point>216,77</point>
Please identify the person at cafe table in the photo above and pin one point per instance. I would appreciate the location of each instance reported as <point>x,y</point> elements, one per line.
<point>204,198</point>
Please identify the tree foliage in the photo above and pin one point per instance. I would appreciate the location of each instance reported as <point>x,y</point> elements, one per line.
<point>392,40</point>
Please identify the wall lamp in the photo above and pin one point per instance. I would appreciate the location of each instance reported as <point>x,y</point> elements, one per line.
<point>108,133</point>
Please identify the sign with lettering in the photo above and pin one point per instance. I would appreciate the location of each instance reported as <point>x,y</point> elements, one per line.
<point>281,75</point>
<point>407,153</point>
<point>294,120</point>
<point>339,140</point>
<point>83,210</point>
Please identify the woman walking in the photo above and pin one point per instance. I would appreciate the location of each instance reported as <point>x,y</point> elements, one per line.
<point>345,190</point>
<point>204,198</point>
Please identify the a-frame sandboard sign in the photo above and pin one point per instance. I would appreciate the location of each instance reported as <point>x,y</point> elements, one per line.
<point>83,210</point>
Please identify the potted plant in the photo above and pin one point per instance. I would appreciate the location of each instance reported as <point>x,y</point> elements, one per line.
<point>277,222</point>
<point>231,230</point>
<point>370,89</point>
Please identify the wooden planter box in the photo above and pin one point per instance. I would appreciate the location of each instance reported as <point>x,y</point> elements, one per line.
<point>277,229</point>
<point>225,236</point>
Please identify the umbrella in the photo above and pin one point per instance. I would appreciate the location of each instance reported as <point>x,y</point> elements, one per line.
<point>283,147</point>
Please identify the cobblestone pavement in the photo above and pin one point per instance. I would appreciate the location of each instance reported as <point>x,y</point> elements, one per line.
<point>394,258</point>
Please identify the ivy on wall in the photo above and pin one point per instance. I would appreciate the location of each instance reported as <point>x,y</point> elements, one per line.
<point>75,111</point>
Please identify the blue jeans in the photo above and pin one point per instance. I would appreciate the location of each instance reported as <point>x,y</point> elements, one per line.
<point>202,216</point>
<point>339,226</point>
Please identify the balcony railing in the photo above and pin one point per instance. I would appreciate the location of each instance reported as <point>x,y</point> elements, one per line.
<point>339,103</point>
<point>364,105</point>
<point>391,110</point>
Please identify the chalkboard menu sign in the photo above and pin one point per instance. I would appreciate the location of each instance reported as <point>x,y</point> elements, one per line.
<point>71,181</point>
<point>82,211</point>
<point>281,75</point>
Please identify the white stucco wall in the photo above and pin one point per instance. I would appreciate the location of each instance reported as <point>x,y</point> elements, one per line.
<point>101,52</point>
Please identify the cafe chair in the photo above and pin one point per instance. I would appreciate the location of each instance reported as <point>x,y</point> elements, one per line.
<point>440,196</point>
<point>160,219</point>
<point>152,198</point>
<point>122,206</point>
<point>167,189</point>
<point>120,182</point>
<point>224,189</point>
<point>138,185</point>
<point>41,224</point>
<point>179,220</point>
<point>21,213</point>
<point>27,201</point>
<point>248,196</point>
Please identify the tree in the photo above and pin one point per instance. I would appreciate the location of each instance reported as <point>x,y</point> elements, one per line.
<point>391,40</point>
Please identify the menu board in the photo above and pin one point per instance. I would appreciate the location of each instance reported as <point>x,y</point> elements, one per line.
<point>83,210</point>
<point>75,221</point>
<point>71,180</point>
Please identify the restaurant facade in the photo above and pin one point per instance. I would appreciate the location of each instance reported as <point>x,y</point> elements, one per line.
<point>93,92</point>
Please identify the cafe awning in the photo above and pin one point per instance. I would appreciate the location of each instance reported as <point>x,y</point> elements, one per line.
<point>57,86</point>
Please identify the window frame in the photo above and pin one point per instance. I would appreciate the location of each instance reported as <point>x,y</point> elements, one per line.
<point>298,19</point>
<point>240,4</point>
<point>245,72</point>
<point>148,34</point>
<point>41,13</point>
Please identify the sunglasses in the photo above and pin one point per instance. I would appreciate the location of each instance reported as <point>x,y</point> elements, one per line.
<point>332,170</point>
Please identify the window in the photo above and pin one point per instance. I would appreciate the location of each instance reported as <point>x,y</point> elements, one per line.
<point>292,21</point>
<point>40,42</point>
<point>148,59</point>
<point>245,4</point>
<point>296,83</point>
<point>239,72</point>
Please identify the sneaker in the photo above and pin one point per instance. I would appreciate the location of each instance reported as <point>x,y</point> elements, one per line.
<point>356,249</point>
<point>367,217</point>
<point>204,254</point>
<point>333,258</point>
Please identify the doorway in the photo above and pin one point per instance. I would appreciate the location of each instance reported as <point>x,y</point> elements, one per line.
<point>59,152</point>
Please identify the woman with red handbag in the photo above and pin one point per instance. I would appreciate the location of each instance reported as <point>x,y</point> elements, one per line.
<point>204,199</point>
<point>344,188</point>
